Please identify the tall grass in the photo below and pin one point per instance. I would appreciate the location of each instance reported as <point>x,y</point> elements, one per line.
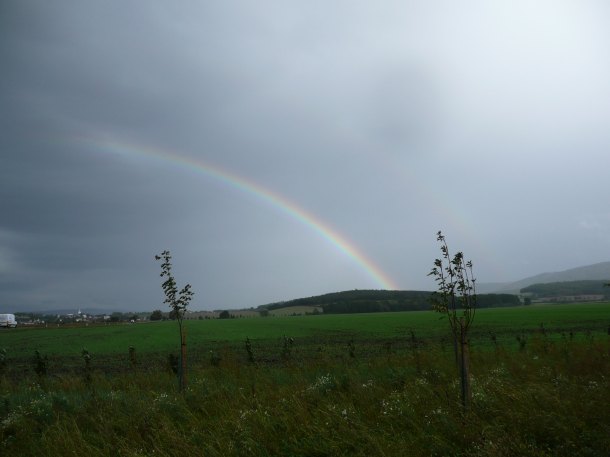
<point>550,399</point>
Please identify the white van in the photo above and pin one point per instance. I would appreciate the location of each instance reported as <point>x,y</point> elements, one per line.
<point>7,320</point>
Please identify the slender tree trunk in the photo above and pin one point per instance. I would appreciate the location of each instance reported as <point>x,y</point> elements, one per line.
<point>183,382</point>
<point>464,366</point>
<point>182,364</point>
<point>456,350</point>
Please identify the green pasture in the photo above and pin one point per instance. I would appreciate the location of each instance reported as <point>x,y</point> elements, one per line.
<point>155,337</point>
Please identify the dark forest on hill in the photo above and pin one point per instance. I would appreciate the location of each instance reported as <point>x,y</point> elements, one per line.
<point>371,301</point>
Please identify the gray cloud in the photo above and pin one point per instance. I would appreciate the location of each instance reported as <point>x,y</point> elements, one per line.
<point>385,122</point>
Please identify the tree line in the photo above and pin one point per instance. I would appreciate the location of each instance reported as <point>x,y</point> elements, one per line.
<point>371,301</point>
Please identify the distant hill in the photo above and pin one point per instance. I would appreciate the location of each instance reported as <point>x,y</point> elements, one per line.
<point>597,271</point>
<point>371,301</point>
<point>489,294</point>
<point>589,289</point>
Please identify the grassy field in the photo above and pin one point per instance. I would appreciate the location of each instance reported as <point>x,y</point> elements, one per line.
<point>347,385</point>
<point>155,337</point>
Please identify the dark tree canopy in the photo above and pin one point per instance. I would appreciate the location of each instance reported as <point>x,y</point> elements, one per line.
<point>156,315</point>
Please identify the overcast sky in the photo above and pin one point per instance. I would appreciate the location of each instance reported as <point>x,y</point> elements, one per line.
<point>288,149</point>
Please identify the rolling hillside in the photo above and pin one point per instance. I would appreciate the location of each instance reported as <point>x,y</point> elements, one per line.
<point>370,301</point>
<point>489,295</point>
<point>597,271</point>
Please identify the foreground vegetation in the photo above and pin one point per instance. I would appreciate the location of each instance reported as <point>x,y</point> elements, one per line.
<point>332,389</point>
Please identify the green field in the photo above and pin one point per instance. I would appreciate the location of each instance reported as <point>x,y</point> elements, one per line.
<point>346,385</point>
<point>156,337</point>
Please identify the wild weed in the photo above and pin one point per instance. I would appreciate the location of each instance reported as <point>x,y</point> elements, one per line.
<point>287,344</point>
<point>132,357</point>
<point>3,362</point>
<point>249,351</point>
<point>40,364</point>
<point>87,370</point>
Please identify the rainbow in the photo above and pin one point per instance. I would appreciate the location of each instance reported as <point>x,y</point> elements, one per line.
<point>250,187</point>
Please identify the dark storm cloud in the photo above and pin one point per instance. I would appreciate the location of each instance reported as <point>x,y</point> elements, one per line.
<point>386,122</point>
